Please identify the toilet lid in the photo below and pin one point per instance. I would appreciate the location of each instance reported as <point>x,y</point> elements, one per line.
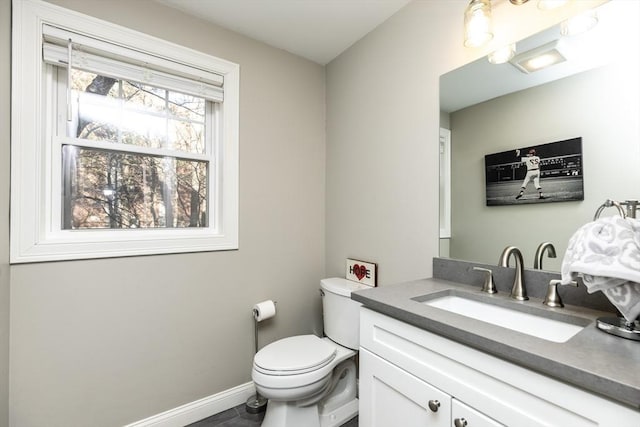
<point>295,354</point>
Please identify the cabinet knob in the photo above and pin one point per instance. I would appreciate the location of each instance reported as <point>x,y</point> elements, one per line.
<point>460,422</point>
<point>434,405</point>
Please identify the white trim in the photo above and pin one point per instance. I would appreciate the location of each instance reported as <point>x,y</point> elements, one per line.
<point>445,183</point>
<point>199,409</point>
<point>33,237</point>
<point>128,148</point>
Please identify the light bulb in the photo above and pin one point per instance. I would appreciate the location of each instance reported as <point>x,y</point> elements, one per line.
<point>477,23</point>
<point>579,23</point>
<point>502,55</point>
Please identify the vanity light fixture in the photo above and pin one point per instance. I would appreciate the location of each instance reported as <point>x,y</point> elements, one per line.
<point>538,58</point>
<point>502,55</point>
<point>579,23</point>
<point>551,4</point>
<point>477,23</point>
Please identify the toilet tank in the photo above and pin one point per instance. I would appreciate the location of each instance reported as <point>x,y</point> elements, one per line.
<point>340,313</point>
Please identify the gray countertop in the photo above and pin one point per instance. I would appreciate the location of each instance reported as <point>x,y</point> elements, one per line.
<point>592,360</point>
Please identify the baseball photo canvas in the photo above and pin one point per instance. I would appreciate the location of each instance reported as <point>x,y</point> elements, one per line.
<point>544,173</point>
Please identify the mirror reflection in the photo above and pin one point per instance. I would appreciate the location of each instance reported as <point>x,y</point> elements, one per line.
<point>593,94</point>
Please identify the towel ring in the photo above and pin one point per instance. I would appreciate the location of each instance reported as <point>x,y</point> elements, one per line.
<point>608,204</point>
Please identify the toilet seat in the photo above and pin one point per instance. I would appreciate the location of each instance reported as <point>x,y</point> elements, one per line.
<point>294,356</point>
<point>302,362</point>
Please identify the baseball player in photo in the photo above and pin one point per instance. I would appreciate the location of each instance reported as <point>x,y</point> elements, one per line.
<point>533,172</point>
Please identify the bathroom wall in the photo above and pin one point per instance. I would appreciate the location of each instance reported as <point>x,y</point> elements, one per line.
<point>113,341</point>
<point>5,67</point>
<point>382,131</point>
<point>382,163</point>
<point>610,134</point>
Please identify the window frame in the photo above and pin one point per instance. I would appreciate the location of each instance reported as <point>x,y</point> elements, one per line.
<point>35,235</point>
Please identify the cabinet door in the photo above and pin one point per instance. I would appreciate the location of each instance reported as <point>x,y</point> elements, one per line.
<point>391,397</point>
<point>465,416</point>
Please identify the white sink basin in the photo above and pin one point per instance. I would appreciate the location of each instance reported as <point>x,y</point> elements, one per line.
<point>530,324</point>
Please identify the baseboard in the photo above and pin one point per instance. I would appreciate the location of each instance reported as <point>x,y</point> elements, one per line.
<point>199,409</point>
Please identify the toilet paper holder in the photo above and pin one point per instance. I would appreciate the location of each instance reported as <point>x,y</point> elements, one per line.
<point>257,403</point>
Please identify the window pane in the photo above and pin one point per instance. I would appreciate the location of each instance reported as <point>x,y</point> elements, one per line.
<point>143,130</point>
<point>187,106</point>
<point>97,117</point>
<point>110,189</point>
<point>107,109</point>
<point>186,136</point>
<point>138,96</point>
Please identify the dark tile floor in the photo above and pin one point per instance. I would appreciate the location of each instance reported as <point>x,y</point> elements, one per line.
<point>238,417</point>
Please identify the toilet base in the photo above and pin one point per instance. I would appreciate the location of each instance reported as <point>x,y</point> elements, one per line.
<point>281,414</point>
<point>338,406</point>
<point>341,415</point>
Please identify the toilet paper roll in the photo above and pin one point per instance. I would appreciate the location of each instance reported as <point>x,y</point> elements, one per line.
<point>264,310</point>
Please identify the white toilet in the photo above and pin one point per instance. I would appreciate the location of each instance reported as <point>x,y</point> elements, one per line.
<point>311,381</point>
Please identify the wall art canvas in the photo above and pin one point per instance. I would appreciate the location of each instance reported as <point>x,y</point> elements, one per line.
<point>544,173</point>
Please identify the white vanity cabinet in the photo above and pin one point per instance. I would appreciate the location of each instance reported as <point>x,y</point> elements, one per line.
<point>390,396</point>
<point>404,370</point>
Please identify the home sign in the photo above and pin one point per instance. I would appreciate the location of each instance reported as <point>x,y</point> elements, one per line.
<point>361,272</point>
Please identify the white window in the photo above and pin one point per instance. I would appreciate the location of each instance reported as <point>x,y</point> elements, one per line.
<point>122,144</point>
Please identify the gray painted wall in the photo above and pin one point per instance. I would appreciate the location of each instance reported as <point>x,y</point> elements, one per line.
<point>5,105</point>
<point>602,106</point>
<point>382,162</point>
<point>108,342</point>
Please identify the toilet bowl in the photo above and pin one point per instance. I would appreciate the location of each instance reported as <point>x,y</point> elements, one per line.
<point>311,381</point>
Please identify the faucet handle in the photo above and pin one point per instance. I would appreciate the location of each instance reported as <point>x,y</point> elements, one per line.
<point>552,299</point>
<point>488,286</point>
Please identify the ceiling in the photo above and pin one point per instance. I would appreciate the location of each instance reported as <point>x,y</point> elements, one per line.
<point>318,30</point>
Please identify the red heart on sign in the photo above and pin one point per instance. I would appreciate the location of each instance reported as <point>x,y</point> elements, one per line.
<point>359,271</point>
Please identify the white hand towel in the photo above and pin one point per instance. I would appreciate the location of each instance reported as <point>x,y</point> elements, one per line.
<point>606,253</point>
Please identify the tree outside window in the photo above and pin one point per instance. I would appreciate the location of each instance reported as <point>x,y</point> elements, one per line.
<point>105,188</point>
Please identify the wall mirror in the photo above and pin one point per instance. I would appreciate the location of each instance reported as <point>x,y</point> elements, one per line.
<point>488,108</point>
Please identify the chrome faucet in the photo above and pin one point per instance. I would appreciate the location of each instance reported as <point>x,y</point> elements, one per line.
<point>518,291</point>
<point>489,286</point>
<point>552,299</point>
<point>546,246</point>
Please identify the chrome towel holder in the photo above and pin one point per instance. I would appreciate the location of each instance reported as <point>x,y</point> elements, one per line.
<point>607,204</point>
<point>619,326</point>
